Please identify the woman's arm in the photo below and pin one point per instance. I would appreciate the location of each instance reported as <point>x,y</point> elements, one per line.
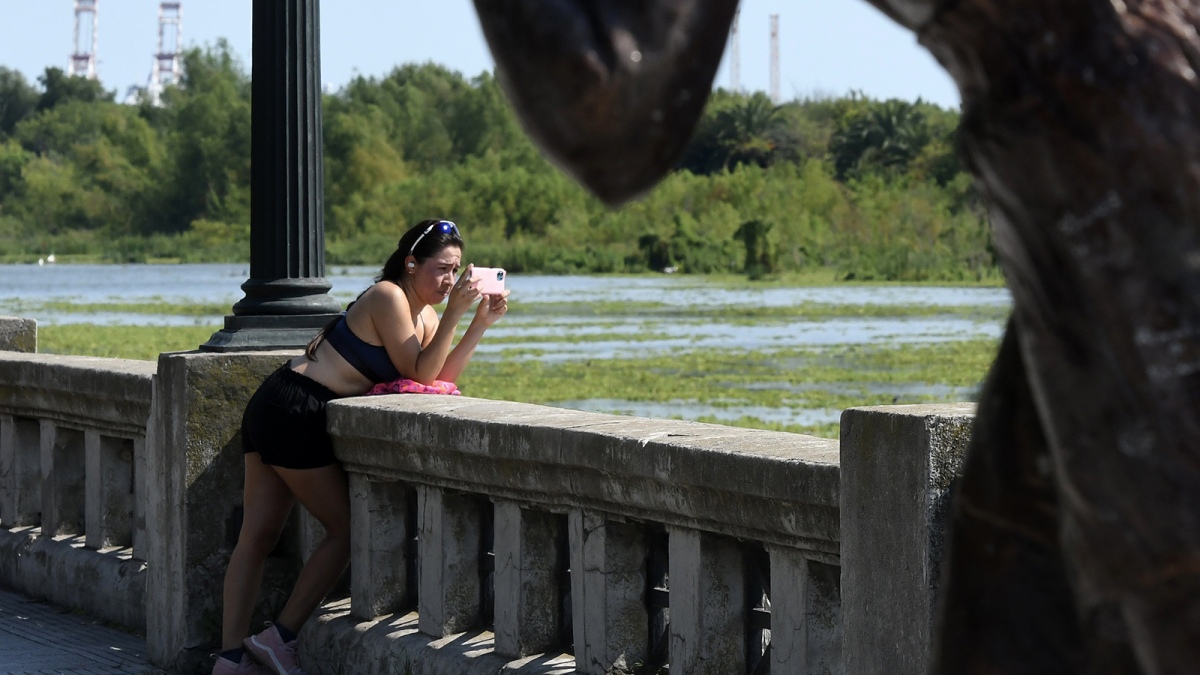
<point>393,322</point>
<point>391,318</point>
<point>491,308</point>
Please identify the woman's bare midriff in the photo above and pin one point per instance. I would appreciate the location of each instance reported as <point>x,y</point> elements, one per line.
<point>333,371</point>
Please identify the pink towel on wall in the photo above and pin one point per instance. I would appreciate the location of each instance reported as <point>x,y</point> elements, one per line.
<point>407,386</point>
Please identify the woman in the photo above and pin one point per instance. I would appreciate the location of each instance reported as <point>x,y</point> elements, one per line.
<point>390,331</point>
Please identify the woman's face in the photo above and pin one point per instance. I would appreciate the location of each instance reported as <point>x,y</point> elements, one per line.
<point>435,276</point>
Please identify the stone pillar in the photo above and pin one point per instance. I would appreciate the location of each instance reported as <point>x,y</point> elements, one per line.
<point>898,466</point>
<point>806,614</point>
<point>287,297</point>
<point>139,497</point>
<point>708,604</point>
<point>528,607</point>
<point>448,544</point>
<point>378,547</point>
<point>18,334</point>
<point>608,585</point>
<point>109,490</point>
<point>306,533</point>
<point>63,486</point>
<point>20,472</point>
<point>194,482</point>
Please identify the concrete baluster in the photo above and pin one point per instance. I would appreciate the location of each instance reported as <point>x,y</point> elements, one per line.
<point>63,487</point>
<point>449,548</point>
<point>108,490</point>
<point>528,606</point>
<point>378,548</point>
<point>138,526</point>
<point>708,604</point>
<point>806,636</point>
<point>20,472</point>
<point>306,534</point>
<point>608,584</point>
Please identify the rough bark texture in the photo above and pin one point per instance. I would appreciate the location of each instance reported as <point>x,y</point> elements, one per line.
<point>610,90</point>
<point>1007,603</point>
<point>1076,538</point>
<point>1081,122</point>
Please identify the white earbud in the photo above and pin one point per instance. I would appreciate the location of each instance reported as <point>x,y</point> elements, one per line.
<point>412,265</point>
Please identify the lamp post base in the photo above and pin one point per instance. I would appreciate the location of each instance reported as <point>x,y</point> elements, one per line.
<point>266,332</point>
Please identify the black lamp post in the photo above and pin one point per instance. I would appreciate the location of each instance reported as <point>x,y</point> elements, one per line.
<point>287,297</point>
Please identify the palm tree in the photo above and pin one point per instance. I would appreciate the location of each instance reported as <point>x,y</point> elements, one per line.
<point>885,135</point>
<point>745,130</point>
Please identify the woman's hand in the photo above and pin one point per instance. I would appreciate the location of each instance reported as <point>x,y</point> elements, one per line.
<point>462,294</point>
<point>491,308</point>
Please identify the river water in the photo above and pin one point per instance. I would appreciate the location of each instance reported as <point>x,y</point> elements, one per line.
<point>217,283</point>
<point>47,292</point>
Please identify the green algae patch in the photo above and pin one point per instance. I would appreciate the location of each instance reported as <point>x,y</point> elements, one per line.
<point>826,430</point>
<point>833,378</point>
<point>708,375</point>
<point>810,311</point>
<point>121,342</point>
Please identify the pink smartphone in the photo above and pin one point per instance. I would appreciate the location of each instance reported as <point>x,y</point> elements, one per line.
<point>491,279</point>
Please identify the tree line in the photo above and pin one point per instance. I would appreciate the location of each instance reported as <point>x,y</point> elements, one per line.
<point>867,188</point>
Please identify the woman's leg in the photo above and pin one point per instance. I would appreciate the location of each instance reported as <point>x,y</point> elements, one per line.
<point>326,495</point>
<point>267,501</point>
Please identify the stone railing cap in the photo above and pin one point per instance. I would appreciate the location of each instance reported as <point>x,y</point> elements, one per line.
<point>734,479</point>
<point>82,390</point>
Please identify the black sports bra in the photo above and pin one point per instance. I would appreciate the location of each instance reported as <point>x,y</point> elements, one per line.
<point>370,360</point>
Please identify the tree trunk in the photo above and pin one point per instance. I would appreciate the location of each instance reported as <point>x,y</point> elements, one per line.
<point>1080,125</point>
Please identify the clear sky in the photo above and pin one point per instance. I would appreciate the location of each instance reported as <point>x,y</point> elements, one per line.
<point>827,47</point>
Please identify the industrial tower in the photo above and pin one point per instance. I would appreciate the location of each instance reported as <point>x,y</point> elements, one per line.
<point>83,59</point>
<point>735,55</point>
<point>168,67</point>
<point>775,59</point>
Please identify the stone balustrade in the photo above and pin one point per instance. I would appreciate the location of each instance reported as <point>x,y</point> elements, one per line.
<point>72,436</point>
<point>487,536</point>
<point>551,540</point>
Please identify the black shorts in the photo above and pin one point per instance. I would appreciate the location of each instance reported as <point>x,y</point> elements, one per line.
<point>284,421</point>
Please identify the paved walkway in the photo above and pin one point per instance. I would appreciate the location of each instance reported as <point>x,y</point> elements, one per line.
<point>40,638</point>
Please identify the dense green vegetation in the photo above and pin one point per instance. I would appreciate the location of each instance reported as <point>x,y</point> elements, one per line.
<point>867,189</point>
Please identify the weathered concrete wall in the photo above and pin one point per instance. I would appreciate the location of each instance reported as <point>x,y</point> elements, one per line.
<point>70,498</point>
<point>108,584</point>
<point>18,334</point>
<point>898,469</point>
<point>195,473</point>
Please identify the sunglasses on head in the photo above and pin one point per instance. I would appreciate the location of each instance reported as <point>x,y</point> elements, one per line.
<point>444,226</point>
